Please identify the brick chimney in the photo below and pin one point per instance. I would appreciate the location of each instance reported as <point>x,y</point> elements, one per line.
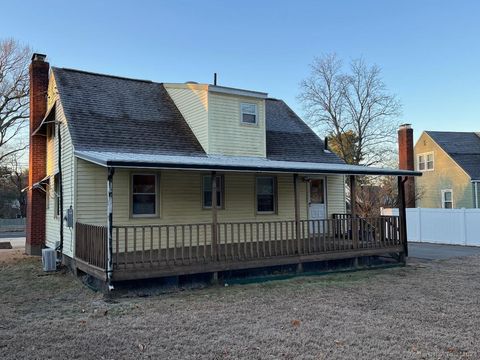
<point>406,161</point>
<point>36,198</point>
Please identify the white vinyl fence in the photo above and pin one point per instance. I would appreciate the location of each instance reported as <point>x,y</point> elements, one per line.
<point>443,226</point>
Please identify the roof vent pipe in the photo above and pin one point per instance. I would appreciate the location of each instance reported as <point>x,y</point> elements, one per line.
<point>326,143</point>
<point>215,79</point>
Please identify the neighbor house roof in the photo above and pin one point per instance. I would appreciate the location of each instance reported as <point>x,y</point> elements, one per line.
<point>115,121</point>
<point>462,147</point>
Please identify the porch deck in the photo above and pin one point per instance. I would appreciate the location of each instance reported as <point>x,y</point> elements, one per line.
<point>168,250</point>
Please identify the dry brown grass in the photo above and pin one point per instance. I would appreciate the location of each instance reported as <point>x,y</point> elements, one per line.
<point>422,311</point>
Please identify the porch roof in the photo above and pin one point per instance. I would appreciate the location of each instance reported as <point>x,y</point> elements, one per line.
<point>230,163</point>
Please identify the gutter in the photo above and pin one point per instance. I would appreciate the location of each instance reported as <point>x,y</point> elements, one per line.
<point>231,167</point>
<point>475,192</point>
<point>60,247</point>
<point>254,169</point>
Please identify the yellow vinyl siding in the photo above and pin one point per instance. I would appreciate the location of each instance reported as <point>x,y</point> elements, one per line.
<point>192,102</point>
<point>52,223</point>
<point>52,152</point>
<point>180,197</point>
<point>91,193</point>
<point>336,195</point>
<point>227,136</point>
<point>447,174</point>
<point>181,203</point>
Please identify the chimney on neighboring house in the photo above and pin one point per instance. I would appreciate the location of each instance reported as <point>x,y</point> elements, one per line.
<point>36,198</point>
<point>406,161</point>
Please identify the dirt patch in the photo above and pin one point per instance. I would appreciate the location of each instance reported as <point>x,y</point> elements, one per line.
<point>11,255</point>
<point>423,311</point>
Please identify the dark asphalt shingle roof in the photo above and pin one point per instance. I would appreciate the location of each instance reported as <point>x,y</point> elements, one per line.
<point>462,147</point>
<point>117,114</point>
<point>114,114</point>
<point>290,139</point>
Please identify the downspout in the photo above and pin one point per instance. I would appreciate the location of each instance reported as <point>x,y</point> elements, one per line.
<point>475,189</point>
<point>109,245</point>
<point>60,195</point>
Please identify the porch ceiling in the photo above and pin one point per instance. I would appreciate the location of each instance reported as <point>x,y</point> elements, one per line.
<point>230,163</point>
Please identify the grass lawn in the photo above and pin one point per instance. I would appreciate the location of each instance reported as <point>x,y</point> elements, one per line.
<point>422,311</point>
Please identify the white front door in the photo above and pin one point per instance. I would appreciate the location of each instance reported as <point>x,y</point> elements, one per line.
<point>316,202</point>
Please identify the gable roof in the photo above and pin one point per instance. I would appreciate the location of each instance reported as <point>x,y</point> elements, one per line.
<point>115,121</point>
<point>290,139</point>
<point>115,114</point>
<point>108,113</point>
<point>462,147</point>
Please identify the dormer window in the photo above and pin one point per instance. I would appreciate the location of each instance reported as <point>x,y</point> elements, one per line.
<point>248,113</point>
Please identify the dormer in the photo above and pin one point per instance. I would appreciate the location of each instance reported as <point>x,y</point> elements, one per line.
<point>226,121</point>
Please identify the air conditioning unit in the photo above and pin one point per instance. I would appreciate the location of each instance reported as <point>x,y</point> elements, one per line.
<point>49,259</point>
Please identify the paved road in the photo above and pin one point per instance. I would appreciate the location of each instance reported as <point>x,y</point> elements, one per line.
<point>13,234</point>
<point>438,251</point>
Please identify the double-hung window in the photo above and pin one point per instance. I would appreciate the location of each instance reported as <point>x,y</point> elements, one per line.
<point>425,162</point>
<point>447,199</point>
<point>144,195</point>
<point>249,114</point>
<point>207,191</point>
<point>266,188</point>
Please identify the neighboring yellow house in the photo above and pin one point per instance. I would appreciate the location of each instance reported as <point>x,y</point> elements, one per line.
<point>148,179</point>
<point>450,163</point>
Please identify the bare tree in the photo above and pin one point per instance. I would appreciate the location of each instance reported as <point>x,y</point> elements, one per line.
<point>355,102</point>
<point>376,192</point>
<point>14,96</point>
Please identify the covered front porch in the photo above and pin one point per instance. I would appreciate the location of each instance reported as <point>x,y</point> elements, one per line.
<point>169,250</point>
<point>225,239</point>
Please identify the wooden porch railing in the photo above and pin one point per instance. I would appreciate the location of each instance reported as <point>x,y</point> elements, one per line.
<point>185,244</point>
<point>166,246</point>
<point>90,244</point>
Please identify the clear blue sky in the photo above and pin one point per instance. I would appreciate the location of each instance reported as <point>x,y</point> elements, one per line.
<point>429,50</point>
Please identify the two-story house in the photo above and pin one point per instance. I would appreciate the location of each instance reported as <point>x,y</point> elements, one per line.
<point>450,163</point>
<point>135,179</point>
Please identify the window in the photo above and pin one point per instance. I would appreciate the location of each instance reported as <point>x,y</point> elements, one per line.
<point>425,162</point>
<point>248,113</point>
<point>56,195</point>
<point>447,199</point>
<point>207,191</point>
<point>266,194</point>
<point>430,161</point>
<point>421,162</point>
<point>144,195</point>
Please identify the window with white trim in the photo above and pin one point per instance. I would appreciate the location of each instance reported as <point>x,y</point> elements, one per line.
<point>144,195</point>
<point>425,162</point>
<point>447,199</point>
<point>207,191</point>
<point>248,112</point>
<point>266,188</point>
